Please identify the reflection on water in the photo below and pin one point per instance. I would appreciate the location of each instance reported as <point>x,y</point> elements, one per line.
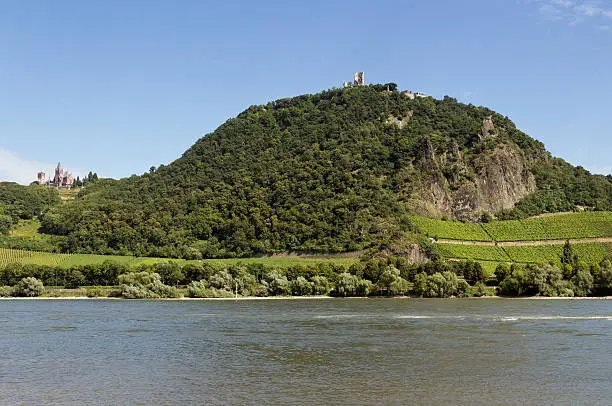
<point>373,351</point>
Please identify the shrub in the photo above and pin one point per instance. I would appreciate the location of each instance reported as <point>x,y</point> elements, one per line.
<point>29,287</point>
<point>136,292</point>
<point>301,287</point>
<point>6,291</point>
<point>480,289</point>
<point>277,284</point>
<point>346,285</point>
<point>161,290</point>
<point>320,285</point>
<point>222,280</point>
<point>145,285</point>
<point>74,279</point>
<point>198,289</point>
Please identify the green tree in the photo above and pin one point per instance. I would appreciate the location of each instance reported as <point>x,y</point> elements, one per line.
<point>583,282</point>
<point>301,287</point>
<point>320,285</point>
<point>568,257</point>
<point>29,287</point>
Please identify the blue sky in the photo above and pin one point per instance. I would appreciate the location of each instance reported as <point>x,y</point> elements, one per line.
<point>118,86</point>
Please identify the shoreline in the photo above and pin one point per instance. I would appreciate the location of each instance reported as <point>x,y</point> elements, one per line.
<point>254,298</point>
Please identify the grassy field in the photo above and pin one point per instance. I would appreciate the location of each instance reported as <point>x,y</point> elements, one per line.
<point>558,227</point>
<point>26,228</point>
<point>8,256</point>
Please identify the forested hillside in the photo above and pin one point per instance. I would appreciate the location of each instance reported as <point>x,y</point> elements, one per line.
<point>23,202</point>
<point>340,170</point>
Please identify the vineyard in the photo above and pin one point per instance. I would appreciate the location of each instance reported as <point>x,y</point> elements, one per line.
<point>591,253</point>
<point>477,252</point>
<point>9,256</point>
<point>558,227</point>
<point>452,230</point>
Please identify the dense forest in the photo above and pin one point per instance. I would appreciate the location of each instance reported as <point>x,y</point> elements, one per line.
<point>336,171</point>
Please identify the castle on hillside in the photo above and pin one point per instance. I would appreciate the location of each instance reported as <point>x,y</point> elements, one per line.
<point>358,80</point>
<point>62,179</point>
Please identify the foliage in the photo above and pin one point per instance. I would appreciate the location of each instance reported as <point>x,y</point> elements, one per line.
<point>277,284</point>
<point>444,284</point>
<point>145,285</point>
<point>316,173</point>
<point>24,202</point>
<point>6,291</point>
<point>301,287</point>
<point>562,187</point>
<point>29,287</point>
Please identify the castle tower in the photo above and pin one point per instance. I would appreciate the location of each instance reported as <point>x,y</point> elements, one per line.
<point>42,178</point>
<point>359,79</point>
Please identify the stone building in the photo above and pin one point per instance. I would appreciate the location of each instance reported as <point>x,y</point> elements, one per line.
<point>358,80</point>
<point>62,179</point>
<point>411,95</point>
<point>42,179</point>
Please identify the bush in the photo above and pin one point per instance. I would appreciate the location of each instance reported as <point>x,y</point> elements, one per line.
<point>301,287</point>
<point>136,292</point>
<point>320,285</point>
<point>74,279</point>
<point>145,285</point>
<point>6,291</point>
<point>480,290</point>
<point>29,287</point>
<point>158,289</point>
<point>277,284</point>
<point>198,289</point>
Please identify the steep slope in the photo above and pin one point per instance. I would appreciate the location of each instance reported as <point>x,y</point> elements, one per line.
<point>336,171</point>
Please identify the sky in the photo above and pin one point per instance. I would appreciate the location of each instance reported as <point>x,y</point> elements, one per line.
<point>116,87</point>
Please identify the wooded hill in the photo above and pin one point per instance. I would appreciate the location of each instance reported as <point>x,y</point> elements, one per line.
<point>341,170</point>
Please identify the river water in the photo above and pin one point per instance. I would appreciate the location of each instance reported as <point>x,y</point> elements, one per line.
<point>316,352</point>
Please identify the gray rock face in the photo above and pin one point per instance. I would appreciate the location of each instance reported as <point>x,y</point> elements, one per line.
<point>453,187</point>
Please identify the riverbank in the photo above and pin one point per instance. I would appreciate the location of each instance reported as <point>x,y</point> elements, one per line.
<point>253,298</point>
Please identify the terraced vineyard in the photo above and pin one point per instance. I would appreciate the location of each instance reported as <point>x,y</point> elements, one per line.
<point>532,240</point>
<point>557,227</point>
<point>590,253</point>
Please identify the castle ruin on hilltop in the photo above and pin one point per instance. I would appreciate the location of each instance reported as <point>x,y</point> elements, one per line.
<point>61,180</point>
<point>359,80</point>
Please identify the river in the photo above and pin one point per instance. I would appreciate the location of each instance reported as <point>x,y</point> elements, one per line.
<point>314,352</point>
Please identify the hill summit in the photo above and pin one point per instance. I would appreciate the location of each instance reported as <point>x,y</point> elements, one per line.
<point>341,170</point>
